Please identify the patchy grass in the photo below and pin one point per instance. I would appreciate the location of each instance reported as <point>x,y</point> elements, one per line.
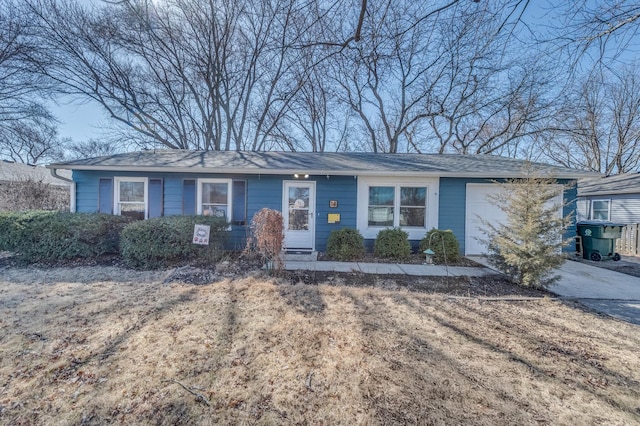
<point>103,345</point>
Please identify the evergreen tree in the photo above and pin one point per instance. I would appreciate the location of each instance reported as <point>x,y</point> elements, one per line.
<point>528,245</point>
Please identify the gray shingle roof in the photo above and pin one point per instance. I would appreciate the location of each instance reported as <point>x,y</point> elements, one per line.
<point>626,183</point>
<point>343,163</point>
<point>10,172</point>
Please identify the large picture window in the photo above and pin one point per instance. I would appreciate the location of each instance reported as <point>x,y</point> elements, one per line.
<point>396,201</point>
<point>398,205</point>
<point>131,197</point>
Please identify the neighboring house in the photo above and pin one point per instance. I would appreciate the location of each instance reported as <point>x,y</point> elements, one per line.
<point>24,187</point>
<point>11,171</point>
<point>317,192</point>
<point>614,198</point>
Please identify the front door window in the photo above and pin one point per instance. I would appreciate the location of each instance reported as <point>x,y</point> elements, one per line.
<point>298,208</point>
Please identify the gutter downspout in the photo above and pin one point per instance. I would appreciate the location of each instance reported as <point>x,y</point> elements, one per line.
<point>72,189</point>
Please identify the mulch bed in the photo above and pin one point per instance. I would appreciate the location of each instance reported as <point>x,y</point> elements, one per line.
<point>414,259</point>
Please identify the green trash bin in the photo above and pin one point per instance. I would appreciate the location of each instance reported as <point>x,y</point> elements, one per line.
<point>599,239</point>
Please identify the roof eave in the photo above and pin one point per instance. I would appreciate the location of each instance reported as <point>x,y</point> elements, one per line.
<point>607,193</point>
<point>319,172</point>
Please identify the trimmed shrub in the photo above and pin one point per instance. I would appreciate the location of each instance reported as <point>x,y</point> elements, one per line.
<point>392,244</point>
<point>165,241</point>
<point>345,244</point>
<point>434,240</point>
<point>40,236</point>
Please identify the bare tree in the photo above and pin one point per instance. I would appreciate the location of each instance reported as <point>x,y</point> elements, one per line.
<point>190,74</point>
<point>27,128</point>
<point>32,142</point>
<point>438,77</point>
<point>598,127</point>
<point>92,148</point>
<point>600,30</point>
<point>378,75</point>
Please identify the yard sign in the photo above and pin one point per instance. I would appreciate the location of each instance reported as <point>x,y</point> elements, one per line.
<point>201,234</point>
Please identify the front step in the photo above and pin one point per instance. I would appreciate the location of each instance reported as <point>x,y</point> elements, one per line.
<point>300,256</point>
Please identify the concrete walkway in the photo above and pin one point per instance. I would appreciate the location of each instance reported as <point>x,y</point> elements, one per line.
<point>386,268</point>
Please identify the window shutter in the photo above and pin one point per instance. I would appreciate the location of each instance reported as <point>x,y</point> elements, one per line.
<point>239,210</point>
<point>189,197</point>
<point>155,197</point>
<point>105,195</point>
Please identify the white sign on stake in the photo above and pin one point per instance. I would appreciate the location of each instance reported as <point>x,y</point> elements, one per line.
<point>201,234</point>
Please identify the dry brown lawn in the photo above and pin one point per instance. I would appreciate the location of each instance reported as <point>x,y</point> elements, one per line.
<point>103,345</point>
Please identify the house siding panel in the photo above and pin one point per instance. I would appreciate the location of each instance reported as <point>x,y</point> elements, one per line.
<point>570,198</point>
<point>172,195</point>
<point>582,209</point>
<point>625,208</point>
<point>266,191</point>
<point>342,189</point>
<point>87,190</point>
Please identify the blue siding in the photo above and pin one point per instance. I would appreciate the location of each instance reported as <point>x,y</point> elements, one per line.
<point>105,196</point>
<point>262,191</point>
<point>452,205</point>
<point>87,190</point>
<point>452,214</point>
<point>266,191</point>
<point>342,189</point>
<point>155,197</point>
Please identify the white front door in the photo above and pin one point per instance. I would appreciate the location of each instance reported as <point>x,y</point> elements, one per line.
<point>298,207</point>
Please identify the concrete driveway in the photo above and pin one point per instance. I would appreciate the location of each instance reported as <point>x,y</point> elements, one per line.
<point>609,292</point>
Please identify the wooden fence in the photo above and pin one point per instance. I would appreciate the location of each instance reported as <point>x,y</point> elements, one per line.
<point>629,244</point>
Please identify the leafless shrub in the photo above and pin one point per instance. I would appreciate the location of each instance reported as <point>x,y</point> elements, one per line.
<point>32,194</point>
<point>267,237</point>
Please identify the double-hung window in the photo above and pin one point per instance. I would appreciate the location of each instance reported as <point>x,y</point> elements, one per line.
<point>381,201</point>
<point>413,206</point>
<point>600,209</point>
<point>214,198</point>
<point>225,198</point>
<point>131,197</point>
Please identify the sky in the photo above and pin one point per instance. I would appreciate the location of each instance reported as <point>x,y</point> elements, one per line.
<point>79,122</point>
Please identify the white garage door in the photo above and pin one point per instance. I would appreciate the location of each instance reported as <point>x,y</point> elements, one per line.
<point>478,208</point>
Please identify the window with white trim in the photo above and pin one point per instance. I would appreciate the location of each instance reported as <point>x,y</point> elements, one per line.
<point>131,197</point>
<point>600,209</point>
<point>397,201</point>
<point>381,200</point>
<point>214,198</point>
<point>397,206</point>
